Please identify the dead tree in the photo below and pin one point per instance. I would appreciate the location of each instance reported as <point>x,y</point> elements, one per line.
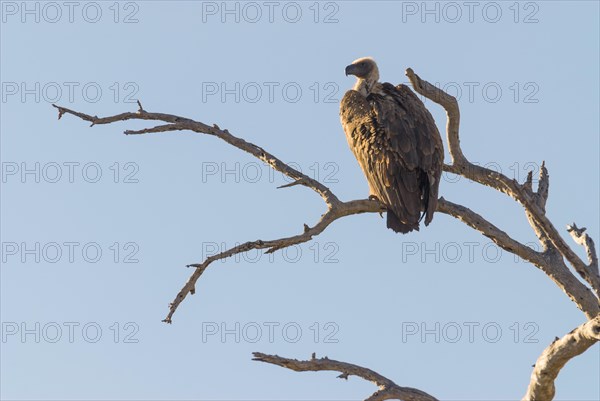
<point>556,258</point>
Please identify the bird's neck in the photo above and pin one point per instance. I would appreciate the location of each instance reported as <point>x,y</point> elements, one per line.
<point>366,86</point>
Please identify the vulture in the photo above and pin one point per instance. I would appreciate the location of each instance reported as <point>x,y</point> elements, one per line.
<point>397,144</point>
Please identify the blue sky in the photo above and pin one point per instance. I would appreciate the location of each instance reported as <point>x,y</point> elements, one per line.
<point>97,227</point>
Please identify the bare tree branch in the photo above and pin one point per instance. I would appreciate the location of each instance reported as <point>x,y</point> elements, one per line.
<point>335,212</point>
<point>178,123</point>
<point>533,202</point>
<point>551,260</point>
<point>552,360</point>
<point>480,224</point>
<point>388,390</point>
<point>336,209</point>
<point>450,104</point>
<point>551,264</point>
<point>555,248</point>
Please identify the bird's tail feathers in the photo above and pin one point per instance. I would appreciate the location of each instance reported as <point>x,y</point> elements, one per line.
<point>394,223</point>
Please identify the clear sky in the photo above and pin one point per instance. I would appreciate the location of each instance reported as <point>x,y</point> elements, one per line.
<point>97,227</point>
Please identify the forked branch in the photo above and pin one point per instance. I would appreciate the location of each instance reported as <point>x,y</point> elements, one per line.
<point>551,260</point>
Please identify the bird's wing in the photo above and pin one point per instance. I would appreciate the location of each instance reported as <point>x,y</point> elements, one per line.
<point>429,146</point>
<point>377,132</point>
<point>422,125</point>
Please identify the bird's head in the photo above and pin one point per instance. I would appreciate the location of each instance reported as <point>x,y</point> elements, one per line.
<point>364,68</point>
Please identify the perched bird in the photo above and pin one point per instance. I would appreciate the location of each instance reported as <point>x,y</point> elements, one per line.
<point>397,144</point>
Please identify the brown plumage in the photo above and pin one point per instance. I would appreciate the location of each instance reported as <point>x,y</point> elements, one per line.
<point>397,144</point>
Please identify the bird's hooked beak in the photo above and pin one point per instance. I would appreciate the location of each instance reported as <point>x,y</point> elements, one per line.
<point>351,69</point>
<point>361,69</point>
